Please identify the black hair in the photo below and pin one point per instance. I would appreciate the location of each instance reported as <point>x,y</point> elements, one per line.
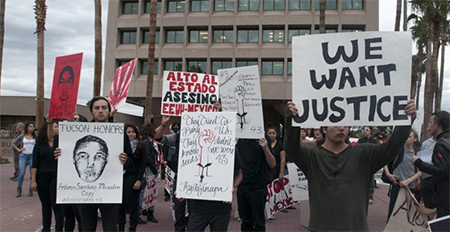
<point>66,69</point>
<point>98,98</point>
<point>138,138</point>
<point>442,117</point>
<point>25,130</point>
<point>147,130</point>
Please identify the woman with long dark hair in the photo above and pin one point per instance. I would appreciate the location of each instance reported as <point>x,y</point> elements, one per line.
<point>27,141</point>
<point>132,180</point>
<point>43,175</point>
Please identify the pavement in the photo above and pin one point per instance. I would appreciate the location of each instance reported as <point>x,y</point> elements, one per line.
<point>24,213</point>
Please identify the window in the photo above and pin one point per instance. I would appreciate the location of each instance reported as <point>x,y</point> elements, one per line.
<point>216,65</point>
<point>175,6</point>
<point>297,32</point>
<point>329,4</point>
<point>174,36</point>
<point>352,4</point>
<point>197,66</point>
<point>122,62</point>
<point>247,36</point>
<point>223,36</point>
<point>173,65</point>
<point>249,5</point>
<point>128,37</point>
<point>352,29</point>
<point>299,4</point>
<point>147,7</point>
<point>224,5</point>
<point>130,7</point>
<point>144,67</point>
<point>200,5</point>
<point>273,5</point>
<point>244,63</point>
<point>327,30</point>
<point>273,36</point>
<point>272,68</point>
<point>145,37</point>
<point>198,36</point>
<point>289,67</point>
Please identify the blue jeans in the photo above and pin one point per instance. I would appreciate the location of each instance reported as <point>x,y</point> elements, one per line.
<point>23,160</point>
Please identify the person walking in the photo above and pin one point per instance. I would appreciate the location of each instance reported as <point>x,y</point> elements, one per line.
<point>19,130</point>
<point>27,139</point>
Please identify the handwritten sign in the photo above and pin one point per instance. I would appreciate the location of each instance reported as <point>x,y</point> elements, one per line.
<point>298,182</point>
<point>240,92</point>
<point>66,79</point>
<point>151,189</point>
<point>89,170</point>
<point>121,84</point>
<point>206,158</point>
<point>188,92</point>
<point>351,79</point>
<point>408,214</point>
<point>279,197</point>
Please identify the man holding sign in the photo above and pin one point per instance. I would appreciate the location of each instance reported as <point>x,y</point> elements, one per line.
<point>339,174</point>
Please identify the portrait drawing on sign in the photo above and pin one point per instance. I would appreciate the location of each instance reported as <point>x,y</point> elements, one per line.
<point>65,83</point>
<point>90,156</point>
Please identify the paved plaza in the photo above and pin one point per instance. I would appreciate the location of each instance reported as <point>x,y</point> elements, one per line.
<point>24,213</point>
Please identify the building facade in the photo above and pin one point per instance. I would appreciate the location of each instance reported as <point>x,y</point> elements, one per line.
<point>206,35</point>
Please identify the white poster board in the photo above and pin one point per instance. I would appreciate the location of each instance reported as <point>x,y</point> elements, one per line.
<point>351,79</point>
<point>206,156</point>
<point>280,196</point>
<point>240,92</point>
<point>89,169</point>
<point>191,92</point>
<point>298,183</point>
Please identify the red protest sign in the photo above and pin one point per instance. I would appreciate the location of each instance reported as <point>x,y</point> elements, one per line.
<point>121,84</point>
<point>66,79</point>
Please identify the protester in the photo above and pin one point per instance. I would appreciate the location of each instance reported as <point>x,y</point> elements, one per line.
<point>216,214</point>
<point>19,130</point>
<point>151,171</point>
<point>132,179</point>
<point>426,182</point>
<point>280,158</point>
<point>339,174</point>
<point>100,109</point>
<point>27,139</point>
<point>368,138</point>
<point>43,175</point>
<point>404,175</point>
<point>438,127</point>
<point>170,151</point>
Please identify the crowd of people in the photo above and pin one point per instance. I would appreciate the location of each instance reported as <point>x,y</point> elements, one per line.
<point>340,174</point>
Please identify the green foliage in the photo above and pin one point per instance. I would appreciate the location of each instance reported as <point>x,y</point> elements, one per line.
<point>4,160</point>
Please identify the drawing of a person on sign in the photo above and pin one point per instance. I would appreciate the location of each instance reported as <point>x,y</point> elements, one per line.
<point>205,140</point>
<point>90,156</point>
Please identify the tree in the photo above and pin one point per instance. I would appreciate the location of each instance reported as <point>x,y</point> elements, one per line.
<point>98,48</point>
<point>40,10</point>
<point>398,14</point>
<point>150,63</point>
<point>2,34</point>
<point>322,7</point>
<point>419,33</point>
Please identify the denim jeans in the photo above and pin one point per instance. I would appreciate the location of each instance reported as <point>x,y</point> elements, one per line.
<point>23,160</point>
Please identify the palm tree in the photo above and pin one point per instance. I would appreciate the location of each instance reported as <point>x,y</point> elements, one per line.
<point>98,48</point>
<point>398,14</point>
<point>150,63</point>
<point>419,33</point>
<point>322,16</point>
<point>40,10</point>
<point>2,34</point>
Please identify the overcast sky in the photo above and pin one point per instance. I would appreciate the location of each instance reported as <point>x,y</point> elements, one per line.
<point>70,29</point>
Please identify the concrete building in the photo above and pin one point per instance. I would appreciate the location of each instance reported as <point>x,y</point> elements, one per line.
<point>207,35</point>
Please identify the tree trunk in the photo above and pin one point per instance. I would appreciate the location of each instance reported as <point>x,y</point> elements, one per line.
<point>443,38</point>
<point>98,48</point>
<point>405,15</point>
<point>398,14</point>
<point>322,16</point>
<point>419,74</point>
<point>428,94</point>
<point>2,36</point>
<point>41,13</point>
<point>434,64</point>
<point>150,62</point>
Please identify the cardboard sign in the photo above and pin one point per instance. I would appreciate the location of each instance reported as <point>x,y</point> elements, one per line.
<point>66,79</point>
<point>188,92</point>
<point>279,197</point>
<point>240,92</point>
<point>89,169</point>
<point>206,158</point>
<point>408,214</point>
<point>351,79</point>
<point>298,183</point>
<point>151,189</point>
<point>121,84</point>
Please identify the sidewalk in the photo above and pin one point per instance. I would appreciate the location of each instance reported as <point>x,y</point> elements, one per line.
<point>24,213</point>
